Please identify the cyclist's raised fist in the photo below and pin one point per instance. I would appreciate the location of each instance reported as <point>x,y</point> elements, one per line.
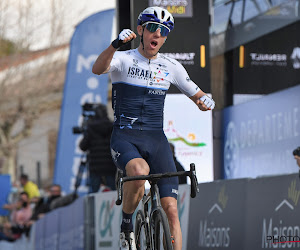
<point>206,103</point>
<point>124,37</point>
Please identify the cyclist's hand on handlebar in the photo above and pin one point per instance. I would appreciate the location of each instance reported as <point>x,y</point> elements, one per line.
<point>206,103</point>
<point>124,37</point>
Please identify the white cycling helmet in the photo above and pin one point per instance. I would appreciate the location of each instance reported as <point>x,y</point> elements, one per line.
<point>157,15</point>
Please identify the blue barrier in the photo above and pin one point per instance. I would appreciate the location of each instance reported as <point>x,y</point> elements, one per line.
<point>5,187</point>
<point>242,214</point>
<point>260,136</point>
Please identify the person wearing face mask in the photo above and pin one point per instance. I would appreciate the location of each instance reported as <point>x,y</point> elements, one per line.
<point>20,214</point>
<point>140,79</point>
<point>43,204</point>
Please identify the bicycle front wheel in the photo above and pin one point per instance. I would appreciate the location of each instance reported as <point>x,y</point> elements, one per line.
<point>162,236</point>
<point>140,232</point>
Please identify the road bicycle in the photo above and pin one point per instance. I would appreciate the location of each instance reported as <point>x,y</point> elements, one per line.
<point>152,231</point>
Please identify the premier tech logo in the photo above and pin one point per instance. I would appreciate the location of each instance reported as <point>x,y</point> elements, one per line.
<point>277,233</point>
<point>212,235</point>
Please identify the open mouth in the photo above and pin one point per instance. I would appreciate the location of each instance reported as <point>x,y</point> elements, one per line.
<point>153,44</point>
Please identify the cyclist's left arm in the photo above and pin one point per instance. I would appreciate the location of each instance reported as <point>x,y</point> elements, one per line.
<point>190,89</point>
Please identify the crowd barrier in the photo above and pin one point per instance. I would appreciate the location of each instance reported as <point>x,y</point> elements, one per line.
<point>261,213</point>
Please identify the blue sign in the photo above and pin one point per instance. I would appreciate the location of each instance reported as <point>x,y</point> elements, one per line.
<point>91,36</point>
<point>5,190</point>
<point>260,136</point>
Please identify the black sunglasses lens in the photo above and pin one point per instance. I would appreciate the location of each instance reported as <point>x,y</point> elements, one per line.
<point>152,27</point>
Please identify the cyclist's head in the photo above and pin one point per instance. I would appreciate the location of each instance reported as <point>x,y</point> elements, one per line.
<point>152,16</point>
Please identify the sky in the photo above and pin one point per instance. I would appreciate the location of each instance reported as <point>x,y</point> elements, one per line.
<point>42,23</point>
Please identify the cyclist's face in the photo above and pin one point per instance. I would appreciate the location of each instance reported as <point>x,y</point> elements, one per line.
<point>152,41</point>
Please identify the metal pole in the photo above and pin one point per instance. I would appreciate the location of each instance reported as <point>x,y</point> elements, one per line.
<point>38,173</point>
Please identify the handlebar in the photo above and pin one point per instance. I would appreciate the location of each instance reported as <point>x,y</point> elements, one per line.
<point>192,174</point>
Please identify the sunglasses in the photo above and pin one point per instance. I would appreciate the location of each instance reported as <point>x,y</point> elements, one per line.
<point>152,27</point>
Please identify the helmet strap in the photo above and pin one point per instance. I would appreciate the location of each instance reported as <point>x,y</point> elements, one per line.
<point>142,38</point>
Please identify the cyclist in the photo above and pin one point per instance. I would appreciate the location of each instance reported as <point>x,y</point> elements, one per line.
<point>141,78</point>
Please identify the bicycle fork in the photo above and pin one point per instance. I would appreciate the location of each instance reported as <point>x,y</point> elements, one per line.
<point>146,222</point>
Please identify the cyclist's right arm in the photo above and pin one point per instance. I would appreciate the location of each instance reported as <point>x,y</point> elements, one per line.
<point>102,64</point>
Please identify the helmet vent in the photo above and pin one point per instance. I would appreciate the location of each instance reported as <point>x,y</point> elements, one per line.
<point>155,13</point>
<point>168,19</point>
<point>162,14</point>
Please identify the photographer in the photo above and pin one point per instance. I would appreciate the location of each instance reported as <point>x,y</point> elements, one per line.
<point>296,154</point>
<point>96,142</point>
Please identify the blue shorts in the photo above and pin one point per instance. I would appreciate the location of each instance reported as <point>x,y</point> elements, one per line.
<point>153,147</point>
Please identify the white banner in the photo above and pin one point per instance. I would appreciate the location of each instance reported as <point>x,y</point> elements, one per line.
<point>107,221</point>
<point>190,130</point>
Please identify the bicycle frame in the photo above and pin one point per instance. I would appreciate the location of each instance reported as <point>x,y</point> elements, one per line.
<point>153,195</point>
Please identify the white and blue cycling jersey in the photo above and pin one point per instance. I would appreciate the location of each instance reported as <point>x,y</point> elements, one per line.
<point>140,86</point>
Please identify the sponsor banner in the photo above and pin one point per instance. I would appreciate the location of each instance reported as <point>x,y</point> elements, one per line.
<point>108,218</point>
<point>260,136</point>
<point>190,130</point>
<point>51,230</point>
<point>178,8</point>
<point>289,60</point>
<point>90,37</point>
<point>273,220</point>
<point>269,63</point>
<point>5,190</point>
<point>216,218</point>
<point>107,221</point>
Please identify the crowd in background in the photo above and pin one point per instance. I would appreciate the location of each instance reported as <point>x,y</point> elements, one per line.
<point>26,206</point>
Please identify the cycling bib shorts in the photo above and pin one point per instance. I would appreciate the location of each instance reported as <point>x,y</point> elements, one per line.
<point>153,147</point>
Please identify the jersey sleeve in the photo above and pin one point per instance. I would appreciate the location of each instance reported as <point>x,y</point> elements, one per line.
<point>116,62</point>
<point>183,82</point>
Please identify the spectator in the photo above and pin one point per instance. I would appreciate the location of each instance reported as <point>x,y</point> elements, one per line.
<point>179,167</point>
<point>296,154</point>
<point>96,142</point>
<point>20,215</point>
<point>43,204</point>
<point>29,187</point>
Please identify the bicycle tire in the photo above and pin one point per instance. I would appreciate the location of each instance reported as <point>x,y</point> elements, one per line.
<point>162,235</point>
<point>140,232</point>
